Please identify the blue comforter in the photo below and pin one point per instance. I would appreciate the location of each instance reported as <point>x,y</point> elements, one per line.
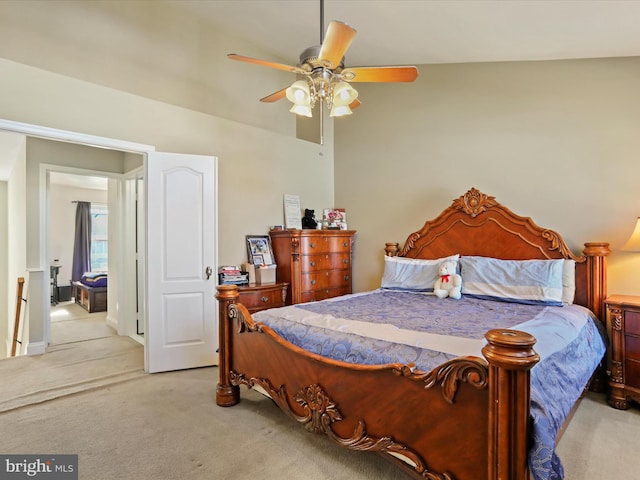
<point>383,326</point>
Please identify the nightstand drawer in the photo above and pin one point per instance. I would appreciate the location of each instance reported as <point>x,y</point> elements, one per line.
<point>632,373</point>
<point>261,297</point>
<point>632,347</point>
<point>623,362</point>
<point>632,322</point>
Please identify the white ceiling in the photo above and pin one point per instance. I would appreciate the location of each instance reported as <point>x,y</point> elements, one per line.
<point>407,32</point>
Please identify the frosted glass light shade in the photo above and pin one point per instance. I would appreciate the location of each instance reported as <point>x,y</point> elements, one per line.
<point>633,244</point>
<point>298,93</point>
<point>340,110</point>
<point>344,94</point>
<point>304,110</point>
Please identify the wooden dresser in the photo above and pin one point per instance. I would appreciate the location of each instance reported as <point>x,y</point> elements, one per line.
<point>258,297</point>
<point>315,263</point>
<point>623,326</point>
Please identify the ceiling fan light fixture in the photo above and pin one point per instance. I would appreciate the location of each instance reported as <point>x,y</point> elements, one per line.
<point>303,110</point>
<point>344,94</point>
<point>340,110</point>
<point>298,93</point>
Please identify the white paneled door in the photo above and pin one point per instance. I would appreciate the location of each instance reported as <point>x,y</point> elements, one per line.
<point>181,202</point>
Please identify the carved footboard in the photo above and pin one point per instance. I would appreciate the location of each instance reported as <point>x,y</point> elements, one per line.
<point>466,419</point>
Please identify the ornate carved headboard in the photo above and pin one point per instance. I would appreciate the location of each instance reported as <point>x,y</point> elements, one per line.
<point>476,224</point>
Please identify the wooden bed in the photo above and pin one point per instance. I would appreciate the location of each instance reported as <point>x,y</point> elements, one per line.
<point>477,423</point>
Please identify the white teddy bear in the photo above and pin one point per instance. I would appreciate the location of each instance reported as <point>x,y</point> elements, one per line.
<point>449,283</point>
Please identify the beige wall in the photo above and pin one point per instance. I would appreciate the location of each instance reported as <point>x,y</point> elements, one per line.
<point>557,141</point>
<point>150,48</point>
<point>256,167</point>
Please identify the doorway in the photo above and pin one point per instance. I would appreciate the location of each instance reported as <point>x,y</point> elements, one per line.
<point>180,205</point>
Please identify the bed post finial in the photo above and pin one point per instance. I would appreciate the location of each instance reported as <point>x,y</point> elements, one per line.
<point>511,356</point>
<point>391,249</point>
<point>227,394</point>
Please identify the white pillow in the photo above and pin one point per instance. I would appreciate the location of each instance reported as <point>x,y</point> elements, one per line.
<point>412,274</point>
<point>519,281</point>
<point>568,281</point>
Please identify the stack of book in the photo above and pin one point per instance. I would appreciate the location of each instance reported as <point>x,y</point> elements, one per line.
<point>232,275</point>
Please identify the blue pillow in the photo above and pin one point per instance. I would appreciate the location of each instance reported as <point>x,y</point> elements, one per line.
<point>412,274</point>
<point>537,282</point>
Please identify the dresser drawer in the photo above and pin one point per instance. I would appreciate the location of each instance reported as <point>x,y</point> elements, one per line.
<point>324,261</point>
<point>314,281</point>
<point>340,278</point>
<point>632,322</point>
<point>325,293</point>
<point>325,244</point>
<point>257,298</point>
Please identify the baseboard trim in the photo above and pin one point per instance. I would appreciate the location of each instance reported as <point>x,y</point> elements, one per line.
<point>36,348</point>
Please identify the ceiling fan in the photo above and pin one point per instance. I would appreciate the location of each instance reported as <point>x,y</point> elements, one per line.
<point>324,77</point>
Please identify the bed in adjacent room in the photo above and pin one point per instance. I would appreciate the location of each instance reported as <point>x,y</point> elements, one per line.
<point>90,292</point>
<point>471,388</point>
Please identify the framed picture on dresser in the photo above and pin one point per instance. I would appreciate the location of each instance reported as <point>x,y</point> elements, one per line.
<point>259,251</point>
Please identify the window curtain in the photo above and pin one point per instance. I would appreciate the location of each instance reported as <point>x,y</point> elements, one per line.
<point>82,242</point>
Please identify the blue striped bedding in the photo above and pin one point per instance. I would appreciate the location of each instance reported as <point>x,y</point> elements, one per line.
<point>382,326</point>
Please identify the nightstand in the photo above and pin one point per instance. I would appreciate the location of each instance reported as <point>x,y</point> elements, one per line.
<point>258,297</point>
<point>623,327</point>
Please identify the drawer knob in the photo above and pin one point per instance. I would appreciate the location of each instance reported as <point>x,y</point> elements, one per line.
<point>313,282</point>
<point>346,278</point>
<point>312,245</point>
<point>346,244</point>
<point>313,264</point>
<point>346,261</point>
<point>265,299</point>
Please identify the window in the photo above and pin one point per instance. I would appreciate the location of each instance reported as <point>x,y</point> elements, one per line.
<point>99,240</point>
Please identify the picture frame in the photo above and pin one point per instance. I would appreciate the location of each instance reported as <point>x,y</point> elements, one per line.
<point>259,251</point>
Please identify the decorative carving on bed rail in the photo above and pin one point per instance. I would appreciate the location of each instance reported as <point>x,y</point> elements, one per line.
<point>474,202</point>
<point>557,243</point>
<point>320,412</point>
<point>471,370</point>
<point>239,314</point>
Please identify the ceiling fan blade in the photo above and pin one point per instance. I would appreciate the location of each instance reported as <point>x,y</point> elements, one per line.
<point>265,63</point>
<point>380,74</point>
<point>274,97</point>
<point>336,42</point>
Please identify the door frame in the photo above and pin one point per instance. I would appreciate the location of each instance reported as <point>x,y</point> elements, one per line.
<point>40,301</point>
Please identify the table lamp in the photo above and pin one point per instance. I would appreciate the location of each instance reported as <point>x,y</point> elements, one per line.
<point>633,244</point>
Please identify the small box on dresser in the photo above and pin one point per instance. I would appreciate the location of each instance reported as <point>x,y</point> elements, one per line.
<point>623,327</point>
<point>315,263</point>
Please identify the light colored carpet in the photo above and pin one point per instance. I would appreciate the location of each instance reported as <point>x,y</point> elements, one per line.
<point>84,354</point>
<point>167,426</point>
<point>72,323</point>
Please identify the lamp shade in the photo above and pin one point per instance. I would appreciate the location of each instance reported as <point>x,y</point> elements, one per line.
<point>633,244</point>
<point>304,110</point>
<point>298,93</point>
<point>344,94</point>
<point>340,111</point>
